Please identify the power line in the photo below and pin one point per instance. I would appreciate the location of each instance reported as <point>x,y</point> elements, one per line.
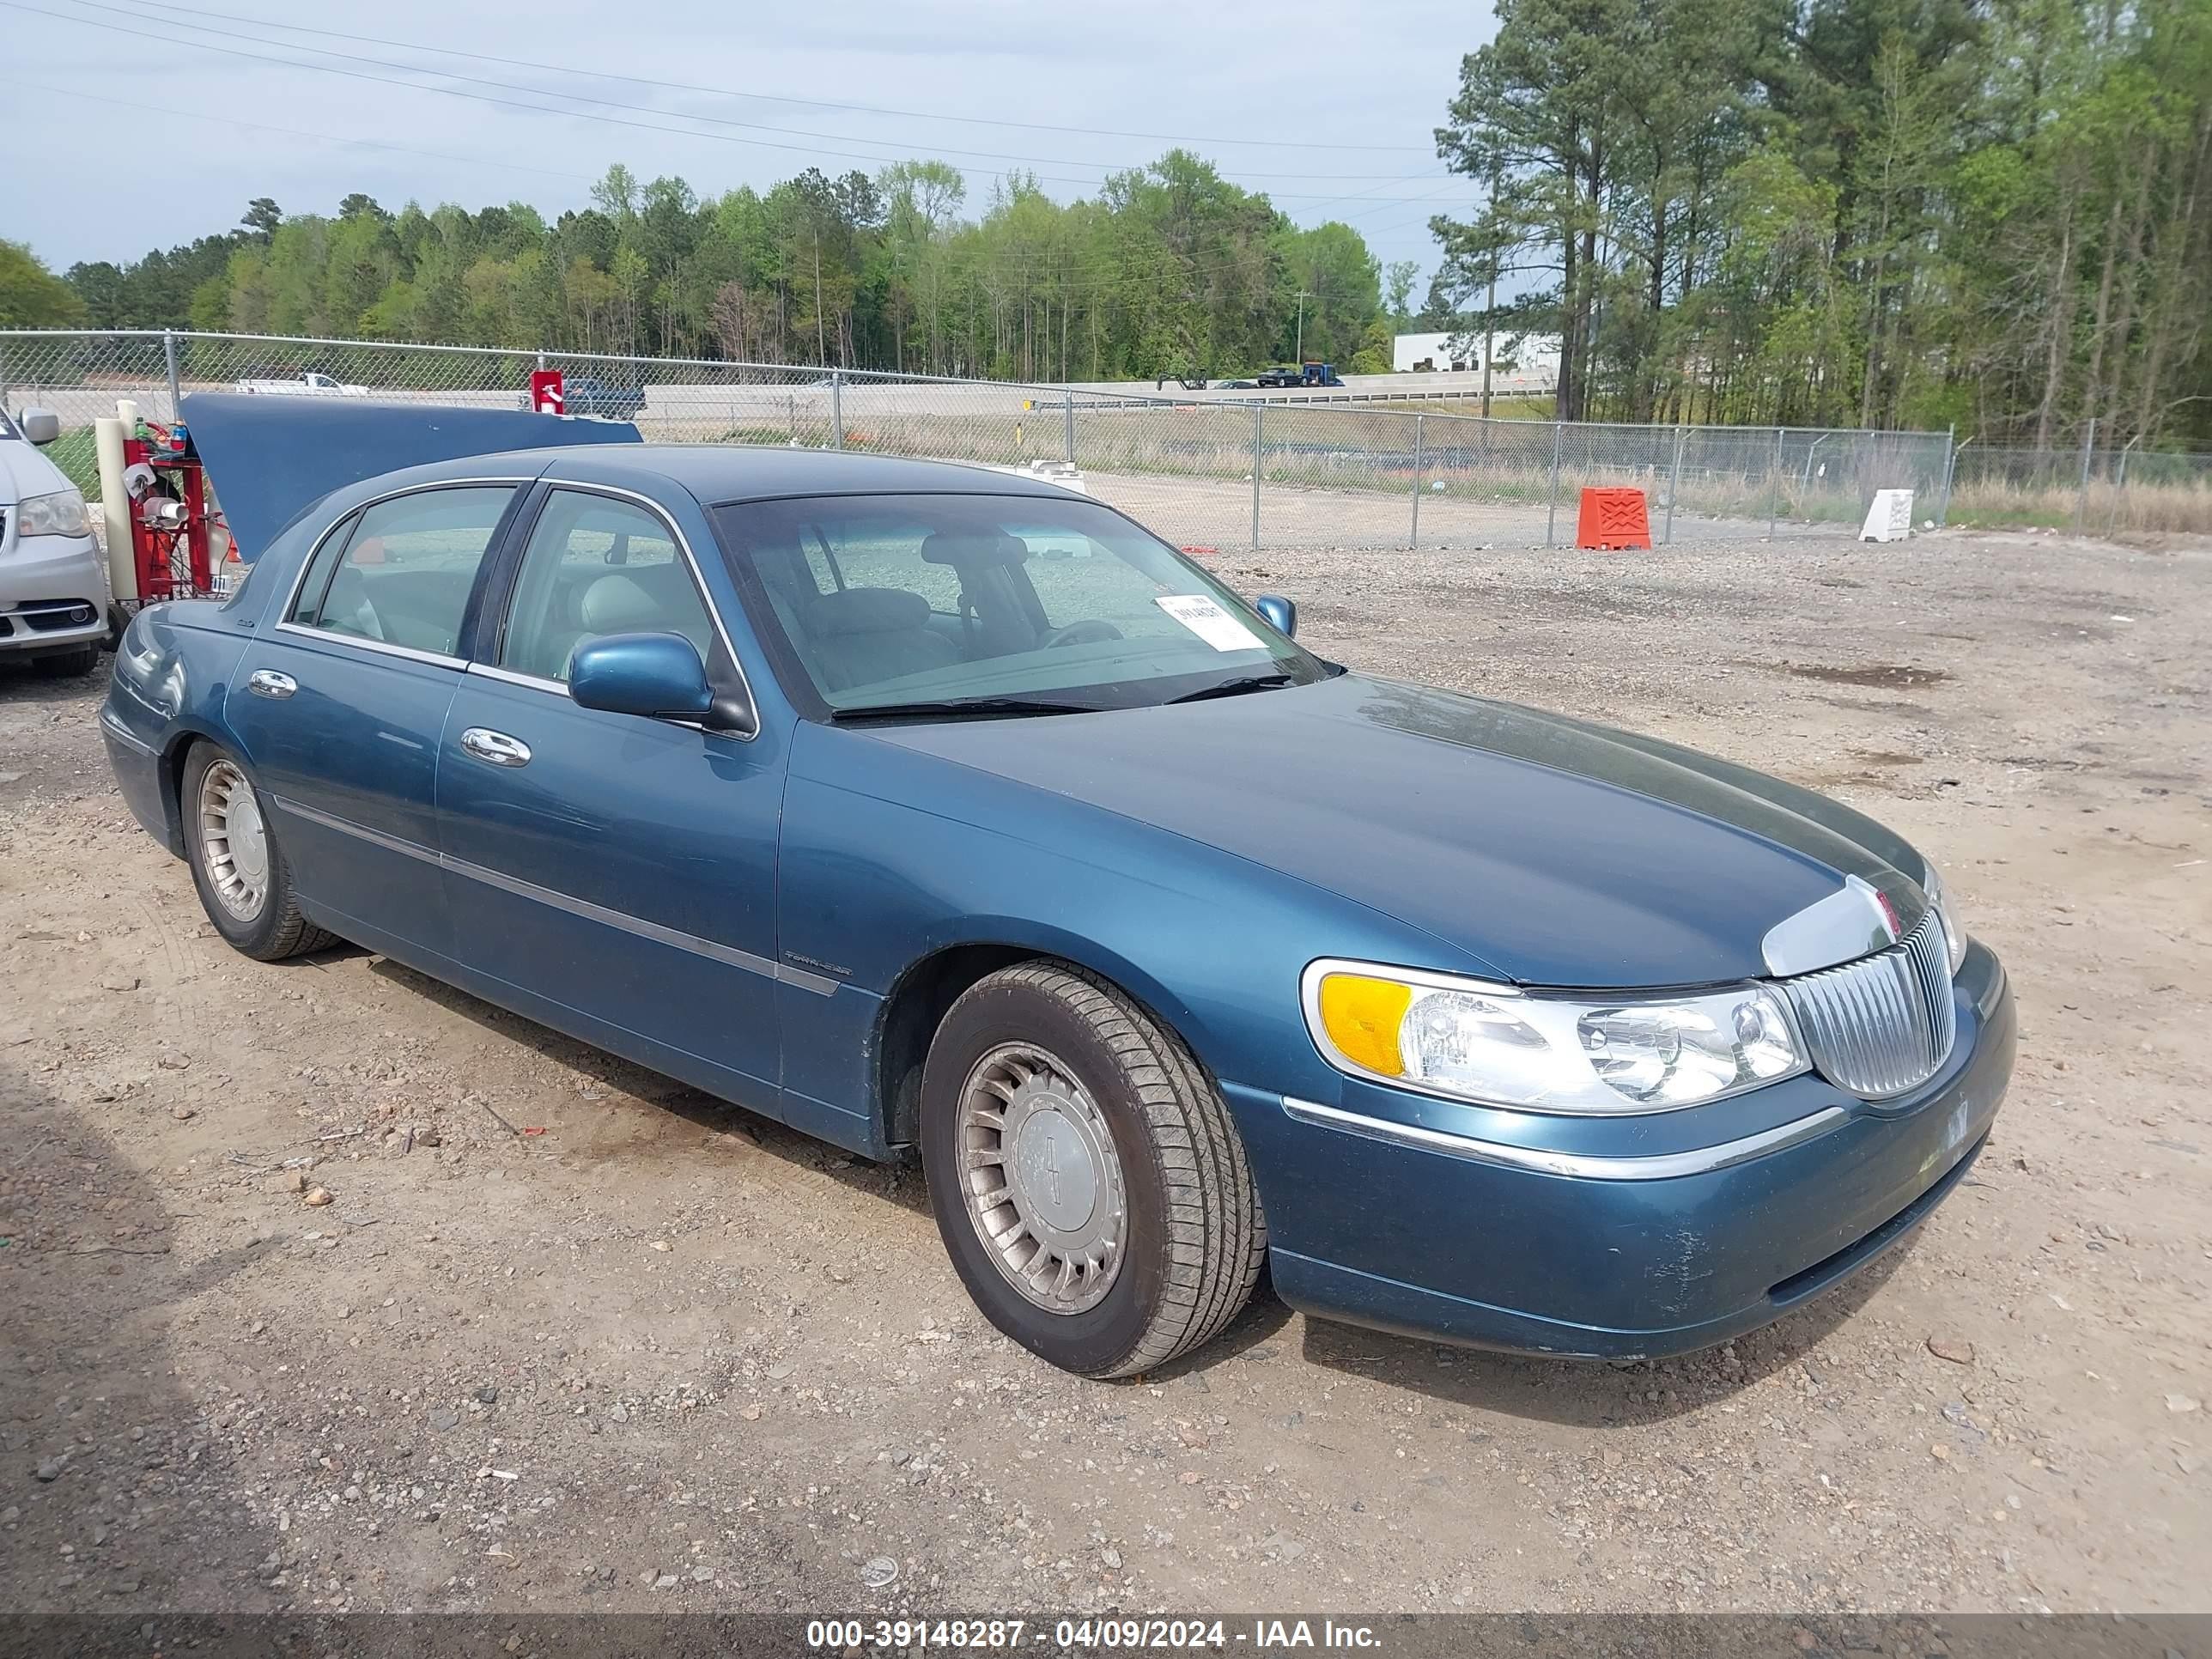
<point>1088,276</point>
<point>76,93</point>
<point>200,28</point>
<point>806,102</point>
<point>473,97</point>
<point>1072,277</point>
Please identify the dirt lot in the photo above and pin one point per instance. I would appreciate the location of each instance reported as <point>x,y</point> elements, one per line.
<point>571,1336</point>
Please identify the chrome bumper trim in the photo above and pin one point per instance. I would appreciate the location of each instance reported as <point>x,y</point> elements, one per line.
<point>1660,1166</point>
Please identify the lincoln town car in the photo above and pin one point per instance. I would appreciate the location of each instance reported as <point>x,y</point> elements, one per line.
<point>943,812</point>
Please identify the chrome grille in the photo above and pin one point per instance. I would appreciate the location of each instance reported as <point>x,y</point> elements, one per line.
<point>1881,1025</point>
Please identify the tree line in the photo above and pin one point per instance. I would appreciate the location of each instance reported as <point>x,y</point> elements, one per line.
<point>1171,269</point>
<point>1996,213</point>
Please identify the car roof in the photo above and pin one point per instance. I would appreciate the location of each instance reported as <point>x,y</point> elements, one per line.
<point>720,474</point>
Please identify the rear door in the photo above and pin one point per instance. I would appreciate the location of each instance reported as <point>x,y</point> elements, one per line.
<point>340,706</point>
<point>621,869</point>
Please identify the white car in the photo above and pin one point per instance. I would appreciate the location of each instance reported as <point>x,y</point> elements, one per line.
<point>53,580</point>
<point>310,384</point>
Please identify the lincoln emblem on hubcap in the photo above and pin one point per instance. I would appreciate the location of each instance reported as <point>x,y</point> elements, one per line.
<point>1041,1179</point>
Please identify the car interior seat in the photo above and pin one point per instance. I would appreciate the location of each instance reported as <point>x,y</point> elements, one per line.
<point>866,635</point>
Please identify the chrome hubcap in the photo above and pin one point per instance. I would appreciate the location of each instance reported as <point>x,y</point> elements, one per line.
<point>1041,1179</point>
<point>234,841</point>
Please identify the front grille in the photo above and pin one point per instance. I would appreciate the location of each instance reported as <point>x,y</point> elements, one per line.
<point>1881,1025</point>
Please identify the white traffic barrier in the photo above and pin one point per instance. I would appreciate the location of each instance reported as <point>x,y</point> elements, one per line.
<point>1890,518</point>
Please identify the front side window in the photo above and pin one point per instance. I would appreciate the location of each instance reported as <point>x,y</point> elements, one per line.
<point>892,600</point>
<point>597,566</point>
<point>402,576</point>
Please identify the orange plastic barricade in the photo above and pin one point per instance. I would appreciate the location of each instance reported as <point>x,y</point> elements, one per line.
<point>1612,518</point>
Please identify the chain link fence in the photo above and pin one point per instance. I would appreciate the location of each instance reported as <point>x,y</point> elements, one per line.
<point>2105,488</point>
<point>1218,470</point>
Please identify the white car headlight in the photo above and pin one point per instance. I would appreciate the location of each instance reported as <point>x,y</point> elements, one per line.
<point>1578,1053</point>
<point>1946,915</point>
<point>60,514</point>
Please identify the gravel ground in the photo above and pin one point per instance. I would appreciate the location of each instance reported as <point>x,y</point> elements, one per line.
<point>323,1286</point>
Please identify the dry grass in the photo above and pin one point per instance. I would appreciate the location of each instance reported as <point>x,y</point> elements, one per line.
<point>1997,505</point>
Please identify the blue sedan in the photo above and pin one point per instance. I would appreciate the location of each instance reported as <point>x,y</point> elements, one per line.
<point>934,809</point>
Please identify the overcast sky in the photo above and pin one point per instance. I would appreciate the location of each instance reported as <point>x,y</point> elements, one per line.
<point>126,138</point>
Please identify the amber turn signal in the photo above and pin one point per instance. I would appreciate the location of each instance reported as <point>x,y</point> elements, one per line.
<point>1362,1017</point>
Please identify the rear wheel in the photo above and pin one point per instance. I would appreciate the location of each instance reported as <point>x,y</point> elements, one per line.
<point>245,884</point>
<point>1087,1178</point>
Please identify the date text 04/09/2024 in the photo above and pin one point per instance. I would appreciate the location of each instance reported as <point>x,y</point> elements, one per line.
<point>1087,1635</point>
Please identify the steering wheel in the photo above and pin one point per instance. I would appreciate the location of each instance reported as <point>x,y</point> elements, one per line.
<point>1090,631</point>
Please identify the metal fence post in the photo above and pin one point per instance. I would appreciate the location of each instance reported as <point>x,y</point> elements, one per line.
<point>1774,481</point>
<point>1551,499</point>
<point>169,357</point>
<point>837,408</point>
<point>1419,457</point>
<point>2120,486</point>
<point>1071,427</point>
<point>1950,461</point>
<point>1258,443</point>
<point>1673,488</point>
<point>2081,499</point>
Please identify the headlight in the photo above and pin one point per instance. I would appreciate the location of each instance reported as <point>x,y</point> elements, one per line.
<point>60,514</point>
<point>1537,1051</point>
<point>1946,916</point>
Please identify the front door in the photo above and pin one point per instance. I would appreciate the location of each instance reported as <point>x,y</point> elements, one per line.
<point>339,705</point>
<point>619,869</point>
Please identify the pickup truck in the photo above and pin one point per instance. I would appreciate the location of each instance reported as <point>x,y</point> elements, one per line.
<point>310,384</point>
<point>1300,374</point>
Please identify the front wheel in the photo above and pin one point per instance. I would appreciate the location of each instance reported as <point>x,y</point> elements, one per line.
<point>68,664</point>
<point>245,882</point>
<point>1087,1179</point>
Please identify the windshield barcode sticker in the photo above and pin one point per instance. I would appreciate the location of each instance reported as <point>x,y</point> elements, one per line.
<point>1206,619</point>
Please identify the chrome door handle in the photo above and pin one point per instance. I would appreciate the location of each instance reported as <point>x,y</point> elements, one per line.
<point>495,747</point>
<point>268,682</point>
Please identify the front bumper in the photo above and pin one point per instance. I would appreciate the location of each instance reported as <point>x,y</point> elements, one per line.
<point>45,581</point>
<point>1602,1238</point>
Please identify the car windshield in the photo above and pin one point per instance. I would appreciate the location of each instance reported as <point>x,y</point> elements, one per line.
<point>1016,602</point>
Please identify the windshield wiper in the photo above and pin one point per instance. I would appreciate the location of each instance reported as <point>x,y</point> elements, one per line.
<point>964,706</point>
<point>1237,687</point>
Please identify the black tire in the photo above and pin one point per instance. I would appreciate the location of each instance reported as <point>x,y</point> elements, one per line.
<point>1196,1239</point>
<point>68,664</point>
<point>277,930</point>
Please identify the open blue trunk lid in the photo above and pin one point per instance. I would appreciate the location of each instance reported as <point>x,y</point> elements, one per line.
<point>268,458</point>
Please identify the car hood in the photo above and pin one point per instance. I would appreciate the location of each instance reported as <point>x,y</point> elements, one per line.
<point>1550,851</point>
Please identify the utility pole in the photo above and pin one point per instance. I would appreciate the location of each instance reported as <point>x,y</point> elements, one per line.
<point>1303,297</point>
<point>821,348</point>
<point>1490,308</point>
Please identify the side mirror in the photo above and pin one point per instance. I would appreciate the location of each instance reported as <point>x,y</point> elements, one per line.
<point>40,426</point>
<point>653,675</point>
<point>1281,615</point>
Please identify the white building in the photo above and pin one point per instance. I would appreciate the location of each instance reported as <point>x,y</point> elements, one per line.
<point>1535,358</point>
